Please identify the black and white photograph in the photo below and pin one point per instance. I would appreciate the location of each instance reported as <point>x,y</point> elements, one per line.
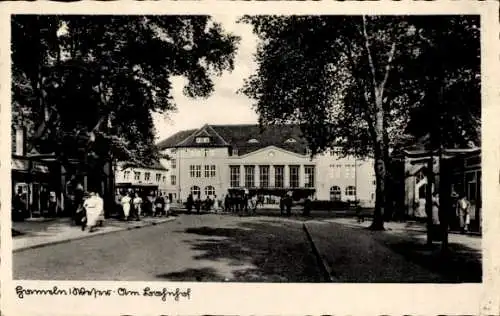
<point>236,148</point>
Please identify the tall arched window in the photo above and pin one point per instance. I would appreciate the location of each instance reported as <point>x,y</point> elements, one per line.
<point>350,190</point>
<point>209,191</point>
<point>335,193</point>
<point>195,191</point>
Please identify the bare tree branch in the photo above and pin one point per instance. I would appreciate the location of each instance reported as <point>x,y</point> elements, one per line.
<point>370,58</point>
<point>387,69</point>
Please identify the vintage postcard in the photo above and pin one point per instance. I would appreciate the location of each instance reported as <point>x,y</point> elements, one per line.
<point>232,158</point>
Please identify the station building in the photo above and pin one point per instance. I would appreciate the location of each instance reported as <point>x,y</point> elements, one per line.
<point>215,158</point>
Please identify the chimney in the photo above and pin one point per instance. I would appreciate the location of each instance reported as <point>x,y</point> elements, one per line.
<point>20,141</point>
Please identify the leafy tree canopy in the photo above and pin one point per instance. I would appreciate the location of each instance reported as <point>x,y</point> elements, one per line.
<point>318,71</point>
<point>96,80</point>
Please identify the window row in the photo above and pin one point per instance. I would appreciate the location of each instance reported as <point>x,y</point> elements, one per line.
<point>195,171</point>
<point>264,176</point>
<point>348,171</point>
<point>336,192</point>
<point>147,176</point>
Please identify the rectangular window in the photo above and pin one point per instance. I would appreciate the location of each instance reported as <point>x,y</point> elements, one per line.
<point>209,171</point>
<point>234,173</point>
<point>195,171</point>
<point>147,176</point>
<point>294,176</point>
<point>309,173</point>
<point>249,176</point>
<point>158,177</point>
<point>264,176</point>
<point>164,179</point>
<point>137,175</point>
<point>279,176</point>
<point>126,174</point>
<point>173,163</point>
<point>173,180</point>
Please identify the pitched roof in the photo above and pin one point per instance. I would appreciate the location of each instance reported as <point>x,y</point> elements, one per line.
<point>215,138</point>
<point>156,165</point>
<point>238,136</point>
<point>174,139</point>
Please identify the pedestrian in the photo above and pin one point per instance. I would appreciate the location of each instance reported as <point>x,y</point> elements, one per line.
<point>151,203</point>
<point>253,204</point>
<point>79,194</point>
<point>189,203</point>
<point>44,201</point>
<point>167,206</point>
<point>159,205</point>
<point>435,208</point>
<point>19,205</point>
<point>100,208</point>
<point>126,201</point>
<point>216,204</point>
<point>197,204</point>
<point>52,203</point>
<point>463,206</point>
<point>288,203</point>
<point>93,209</point>
<point>137,201</point>
<point>80,217</point>
<point>455,222</point>
<point>282,205</point>
<point>227,203</point>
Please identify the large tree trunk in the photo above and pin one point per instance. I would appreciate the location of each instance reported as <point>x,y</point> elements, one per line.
<point>380,168</point>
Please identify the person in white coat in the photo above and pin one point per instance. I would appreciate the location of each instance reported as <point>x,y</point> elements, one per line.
<point>216,204</point>
<point>167,206</point>
<point>93,208</point>
<point>126,200</point>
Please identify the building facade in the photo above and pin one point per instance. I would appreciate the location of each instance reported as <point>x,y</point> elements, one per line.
<point>153,178</point>
<point>210,160</point>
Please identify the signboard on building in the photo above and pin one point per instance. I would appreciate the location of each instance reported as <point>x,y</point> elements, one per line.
<point>19,164</point>
<point>39,167</point>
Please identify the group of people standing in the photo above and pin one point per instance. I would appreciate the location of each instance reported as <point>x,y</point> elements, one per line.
<point>460,213</point>
<point>241,203</point>
<point>231,203</point>
<point>133,206</point>
<point>209,204</point>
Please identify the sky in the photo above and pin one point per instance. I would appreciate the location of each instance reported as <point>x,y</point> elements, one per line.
<point>224,106</point>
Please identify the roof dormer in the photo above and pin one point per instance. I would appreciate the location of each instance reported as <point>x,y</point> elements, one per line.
<point>202,139</point>
<point>290,141</point>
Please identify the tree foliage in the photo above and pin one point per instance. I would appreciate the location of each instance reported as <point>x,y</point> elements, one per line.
<point>100,77</point>
<point>364,82</point>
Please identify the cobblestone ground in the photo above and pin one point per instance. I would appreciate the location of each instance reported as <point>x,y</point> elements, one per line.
<point>191,248</point>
